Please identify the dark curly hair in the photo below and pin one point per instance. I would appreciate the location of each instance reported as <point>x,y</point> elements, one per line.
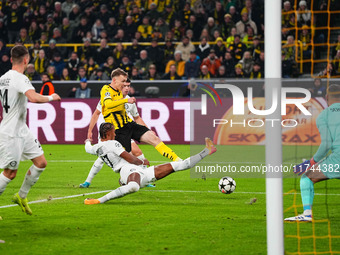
<point>104,128</point>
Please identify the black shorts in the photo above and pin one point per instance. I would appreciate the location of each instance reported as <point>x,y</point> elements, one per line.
<point>132,130</point>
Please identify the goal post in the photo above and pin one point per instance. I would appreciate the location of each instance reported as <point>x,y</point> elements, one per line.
<point>274,187</point>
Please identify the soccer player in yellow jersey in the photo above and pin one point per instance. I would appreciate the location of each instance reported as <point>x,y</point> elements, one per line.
<point>113,110</point>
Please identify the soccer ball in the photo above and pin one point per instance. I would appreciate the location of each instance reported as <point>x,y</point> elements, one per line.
<point>227,185</point>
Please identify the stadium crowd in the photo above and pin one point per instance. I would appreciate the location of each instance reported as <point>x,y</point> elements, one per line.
<point>186,39</point>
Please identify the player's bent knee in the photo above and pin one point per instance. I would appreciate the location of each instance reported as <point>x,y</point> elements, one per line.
<point>133,187</point>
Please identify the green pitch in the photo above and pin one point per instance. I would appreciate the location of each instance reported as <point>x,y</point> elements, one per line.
<point>182,215</point>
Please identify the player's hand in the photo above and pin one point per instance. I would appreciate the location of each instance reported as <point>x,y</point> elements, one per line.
<point>304,166</point>
<point>146,162</point>
<point>56,97</point>
<point>89,136</point>
<point>131,100</point>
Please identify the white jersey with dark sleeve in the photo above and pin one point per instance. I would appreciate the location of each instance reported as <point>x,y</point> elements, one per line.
<point>109,152</point>
<point>13,86</point>
<point>131,109</point>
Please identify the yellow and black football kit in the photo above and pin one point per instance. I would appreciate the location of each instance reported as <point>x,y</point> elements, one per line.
<point>113,110</point>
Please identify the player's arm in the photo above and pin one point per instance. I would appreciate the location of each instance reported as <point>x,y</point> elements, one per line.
<point>133,160</point>
<point>35,97</point>
<point>93,122</point>
<point>89,148</point>
<point>109,103</point>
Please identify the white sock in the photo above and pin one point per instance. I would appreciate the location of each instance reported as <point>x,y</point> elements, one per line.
<point>30,180</point>
<point>131,187</point>
<point>3,182</point>
<point>96,167</point>
<point>141,157</point>
<point>307,212</point>
<point>189,162</point>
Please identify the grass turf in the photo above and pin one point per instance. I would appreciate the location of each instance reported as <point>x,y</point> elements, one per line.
<point>182,215</point>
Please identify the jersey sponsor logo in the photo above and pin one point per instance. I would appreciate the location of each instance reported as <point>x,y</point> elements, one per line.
<point>13,163</point>
<point>118,145</point>
<point>335,109</point>
<point>107,94</point>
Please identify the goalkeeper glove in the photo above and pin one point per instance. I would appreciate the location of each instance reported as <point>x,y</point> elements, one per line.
<point>304,166</point>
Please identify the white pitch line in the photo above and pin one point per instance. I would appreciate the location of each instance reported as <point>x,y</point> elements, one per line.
<point>162,191</point>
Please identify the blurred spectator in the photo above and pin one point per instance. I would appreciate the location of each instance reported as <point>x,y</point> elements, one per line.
<point>336,63</point>
<point>58,14</point>
<point>65,75</point>
<point>287,69</point>
<point>212,62</point>
<point>49,26</point>
<point>169,50</point>
<point>34,51</point>
<point>169,15</point>
<point>86,51</point>
<point>238,71</point>
<point>14,21</point>
<point>72,65</point>
<point>104,14</point>
<point>96,29</point>
<point>287,8</point>
<point>203,48</point>
<point>145,29</point>
<point>192,66</point>
<point>143,63</point>
<point>66,7</point>
<point>235,16</point>
<point>237,48</point>
<point>218,13</point>
<point>3,48</point>
<point>129,28</point>
<point>47,87</point>
<point>90,66</point>
<point>118,53</point>
<point>3,30</point>
<point>74,15</point>
<point>81,73</point>
<point>162,26</point>
<point>256,73</point>
<point>156,34</point>
<point>185,47</point>
<point>211,27</point>
<point>249,36</point>
<point>185,13</point>
<point>120,36</point>
<point>135,74</point>
<point>99,75</point>
<point>248,8</point>
<point>229,64</point>
<point>133,50</point>
<point>204,74</point>
<point>318,90</point>
<point>58,63</point>
<point>261,60</point>
<point>226,26</point>
<point>23,37</point>
<point>231,37</point>
<point>178,62</point>
<point>289,49</point>
<point>190,34</point>
<point>59,39</point>
<point>41,62</point>
<point>303,14</point>
<point>247,63</point>
<point>79,33</point>
<point>171,74</point>
<point>178,30</point>
<point>5,63</point>
<point>136,15</point>
<point>155,54</point>
<point>219,48</point>
<point>51,72</point>
<point>112,28</point>
<point>51,50</point>
<point>256,48</point>
<point>152,13</point>
<point>34,31</point>
<point>126,64</point>
<point>31,73</point>
<point>152,73</point>
<point>83,91</point>
<point>90,16</point>
<point>109,65</point>
<point>194,26</point>
<point>120,18</point>
<point>242,24</point>
<point>334,50</point>
<point>67,29</point>
<point>221,72</point>
<point>102,52</point>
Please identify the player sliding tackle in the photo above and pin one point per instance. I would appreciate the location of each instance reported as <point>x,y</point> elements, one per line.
<point>132,176</point>
<point>321,167</point>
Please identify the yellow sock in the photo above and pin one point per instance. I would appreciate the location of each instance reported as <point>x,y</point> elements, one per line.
<point>165,151</point>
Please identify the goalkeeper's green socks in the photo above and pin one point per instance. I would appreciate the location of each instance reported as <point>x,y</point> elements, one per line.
<point>307,194</point>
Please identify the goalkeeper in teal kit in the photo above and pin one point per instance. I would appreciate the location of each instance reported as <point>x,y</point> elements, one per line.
<point>323,165</point>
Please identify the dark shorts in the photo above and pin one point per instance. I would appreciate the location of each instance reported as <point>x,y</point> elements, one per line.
<point>132,130</point>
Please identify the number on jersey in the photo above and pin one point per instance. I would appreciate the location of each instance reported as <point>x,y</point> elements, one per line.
<point>4,100</point>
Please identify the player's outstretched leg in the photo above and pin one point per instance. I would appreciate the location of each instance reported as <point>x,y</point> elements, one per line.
<point>129,188</point>
<point>96,167</point>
